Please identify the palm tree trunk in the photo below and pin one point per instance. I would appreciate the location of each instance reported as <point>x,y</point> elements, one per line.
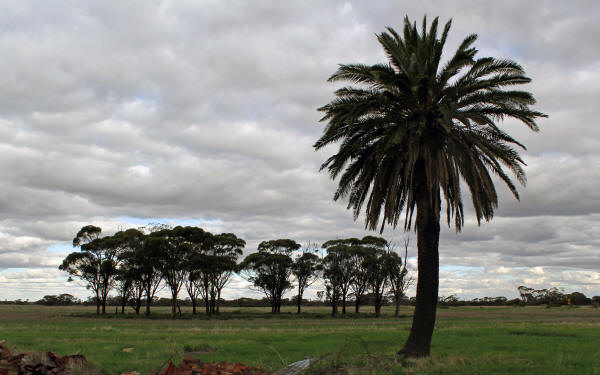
<point>428,237</point>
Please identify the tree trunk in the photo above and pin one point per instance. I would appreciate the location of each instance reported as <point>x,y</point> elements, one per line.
<point>344,304</point>
<point>212,301</point>
<point>147,304</point>
<point>194,306</point>
<point>357,305</point>
<point>97,303</point>
<point>397,300</point>
<point>218,300</point>
<point>138,304</point>
<point>138,301</point>
<point>428,237</point>
<point>334,302</point>
<point>299,301</point>
<point>378,303</point>
<point>173,306</point>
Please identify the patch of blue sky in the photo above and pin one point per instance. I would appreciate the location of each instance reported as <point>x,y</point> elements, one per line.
<point>147,99</point>
<point>60,248</point>
<point>457,268</point>
<point>17,269</point>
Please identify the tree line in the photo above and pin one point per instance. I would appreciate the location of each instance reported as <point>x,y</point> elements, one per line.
<point>137,263</point>
<point>553,297</point>
<point>539,298</point>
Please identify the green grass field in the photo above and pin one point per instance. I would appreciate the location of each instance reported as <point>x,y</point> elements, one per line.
<point>467,340</point>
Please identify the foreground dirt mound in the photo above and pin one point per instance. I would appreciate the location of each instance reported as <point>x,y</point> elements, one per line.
<point>32,363</point>
<point>191,366</point>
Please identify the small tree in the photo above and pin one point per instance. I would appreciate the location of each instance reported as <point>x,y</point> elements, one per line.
<point>526,294</point>
<point>377,265</point>
<point>92,264</point>
<point>339,270</point>
<point>305,269</point>
<point>269,269</point>
<point>399,278</point>
<point>106,250</point>
<point>197,281</point>
<point>578,298</point>
<point>127,275</point>
<point>124,286</point>
<point>176,250</point>
<point>96,263</point>
<point>84,266</point>
<point>147,260</point>
<point>360,274</point>
<point>223,254</point>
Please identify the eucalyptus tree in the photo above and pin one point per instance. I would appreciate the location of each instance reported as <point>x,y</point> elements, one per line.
<point>170,264</point>
<point>360,274</point>
<point>339,270</point>
<point>193,284</point>
<point>96,263</point>
<point>269,269</point>
<point>176,248</point>
<point>200,279</point>
<point>85,264</point>
<point>147,259</point>
<point>197,282</point>
<point>107,250</point>
<point>332,274</point>
<point>132,270</point>
<point>223,253</point>
<point>411,129</point>
<point>360,268</point>
<point>399,278</point>
<point>376,264</point>
<point>127,274</point>
<point>306,268</point>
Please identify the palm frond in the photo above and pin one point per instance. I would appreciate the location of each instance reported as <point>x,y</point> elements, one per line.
<point>411,129</point>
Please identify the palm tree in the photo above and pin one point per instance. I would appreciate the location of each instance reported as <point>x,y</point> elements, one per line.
<point>411,129</point>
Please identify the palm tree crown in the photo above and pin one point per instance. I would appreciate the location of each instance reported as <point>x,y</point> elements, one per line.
<point>413,127</point>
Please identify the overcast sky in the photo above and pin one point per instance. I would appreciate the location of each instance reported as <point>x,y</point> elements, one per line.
<point>120,113</point>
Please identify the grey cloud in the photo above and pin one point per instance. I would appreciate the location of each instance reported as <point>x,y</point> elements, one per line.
<point>207,111</point>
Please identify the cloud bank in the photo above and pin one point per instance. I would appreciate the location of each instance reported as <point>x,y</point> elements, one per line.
<point>119,113</point>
